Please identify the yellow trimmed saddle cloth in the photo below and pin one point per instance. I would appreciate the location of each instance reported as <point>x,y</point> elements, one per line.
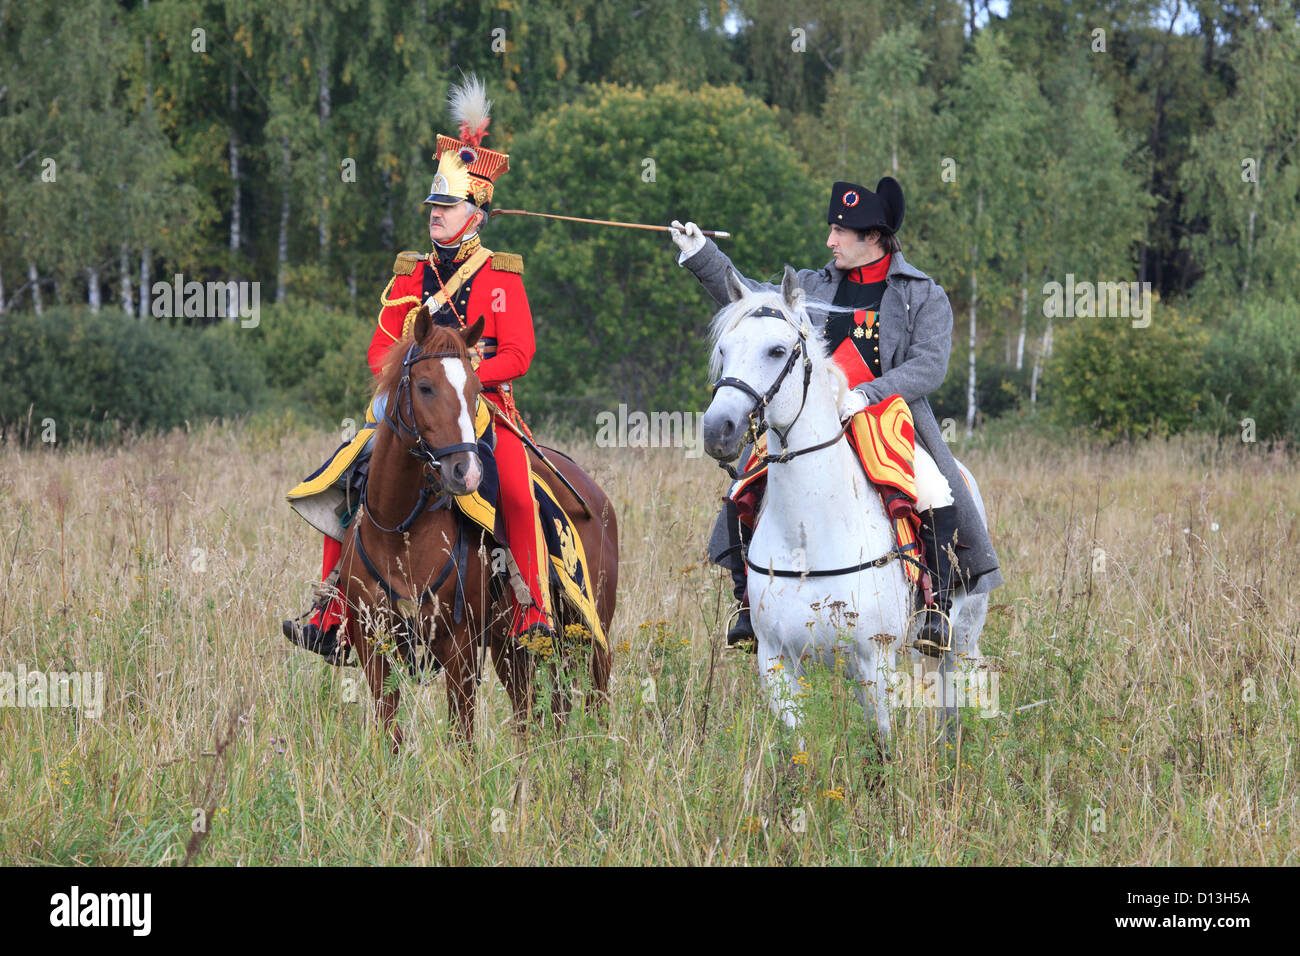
<point>328,500</point>
<point>884,439</point>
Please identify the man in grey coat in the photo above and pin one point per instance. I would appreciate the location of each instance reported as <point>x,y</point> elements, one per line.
<point>889,327</point>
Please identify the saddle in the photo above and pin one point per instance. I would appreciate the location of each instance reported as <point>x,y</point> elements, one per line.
<point>883,439</point>
<point>330,497</point>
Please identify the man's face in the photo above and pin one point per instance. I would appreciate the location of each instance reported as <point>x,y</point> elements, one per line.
<point>447,221</point>
<point>850,251</point>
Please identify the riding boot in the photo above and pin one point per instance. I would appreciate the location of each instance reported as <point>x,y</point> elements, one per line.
<point>321,633</point>
<point>531,625</point>
<point>741,635</point>
<point>939,538</point>
<point>312,638</point>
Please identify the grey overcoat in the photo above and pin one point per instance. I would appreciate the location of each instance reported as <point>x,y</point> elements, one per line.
<point>915,339</point>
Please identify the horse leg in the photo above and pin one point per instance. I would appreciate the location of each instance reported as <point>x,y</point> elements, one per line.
<point>514,667</point>
<point>873,668</point>
<point>462,690</point>
<point>780,674</point>
<point>376,669</point>
<point>964,663</point>
<point>560,669</point>
<point>602,662</point>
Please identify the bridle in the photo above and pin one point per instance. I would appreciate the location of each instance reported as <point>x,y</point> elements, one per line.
<point>758,421</point>
<point>457,558</point>
<point>404,426</point>
<point>758,414</point>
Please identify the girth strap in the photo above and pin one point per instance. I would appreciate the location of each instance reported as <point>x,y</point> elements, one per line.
<point>896,553</point>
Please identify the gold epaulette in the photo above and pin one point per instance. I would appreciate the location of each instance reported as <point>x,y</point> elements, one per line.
<point>508,262</point>
<point>406,261</point>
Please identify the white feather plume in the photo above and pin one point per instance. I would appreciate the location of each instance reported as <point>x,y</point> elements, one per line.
<point>470,108</point>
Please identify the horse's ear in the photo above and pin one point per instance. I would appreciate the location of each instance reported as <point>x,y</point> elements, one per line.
<point>790,290</point>
<point>423,324</point>
<point>735,288</point>
<point>471,333</point>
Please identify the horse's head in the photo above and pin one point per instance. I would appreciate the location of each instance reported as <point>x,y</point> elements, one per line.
<point>433,394</point>
<point>766,359</point>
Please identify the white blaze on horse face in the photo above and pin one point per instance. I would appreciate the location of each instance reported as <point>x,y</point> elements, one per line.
<point>749,358</point>
<point>454,369</point>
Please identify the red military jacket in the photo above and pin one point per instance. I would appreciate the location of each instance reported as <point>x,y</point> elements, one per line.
<point>495,291</point>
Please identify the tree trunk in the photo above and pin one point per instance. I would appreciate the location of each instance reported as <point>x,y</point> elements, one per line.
<point>974,298</point>
<point>282,259</point>
<point>144,283</point>
<point>92,289</point>
<point>34,278</point>
<point>124,272</point>
<point>2,290</point>
<point>1044,351</point>
<point>1024,319</point>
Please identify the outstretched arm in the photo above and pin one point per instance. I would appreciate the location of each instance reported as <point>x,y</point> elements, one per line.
<point>710,264</point>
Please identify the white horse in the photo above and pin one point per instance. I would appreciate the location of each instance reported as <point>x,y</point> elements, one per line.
<point>825,579</point>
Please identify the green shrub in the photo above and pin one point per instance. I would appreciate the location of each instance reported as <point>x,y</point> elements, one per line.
<point>616,318</point>
<point>1124,382</point>
<point>293,338</point>
<point>95,375</point>
<point>315,356</point>
<point>342,384</point>
<point>1253,371</point>
<point>999,388</point>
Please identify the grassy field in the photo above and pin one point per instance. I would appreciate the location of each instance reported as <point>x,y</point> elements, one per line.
<point>1150,604</point>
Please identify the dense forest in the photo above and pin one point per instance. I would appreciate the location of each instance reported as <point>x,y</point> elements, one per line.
<point>1056,143</point>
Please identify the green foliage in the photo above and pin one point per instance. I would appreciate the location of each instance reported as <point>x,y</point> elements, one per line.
<point>292,144</point>
<point>95,375</point>
<point>999,388</point>
<point>1243,176</point>
<point>342,384</point>
<point>315,357</point>
<point>1253,364</point>
<point>1125,382</point>
<point>292,339</point>
<point>615,315</point>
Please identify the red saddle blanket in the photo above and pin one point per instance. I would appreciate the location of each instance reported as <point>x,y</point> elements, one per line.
<point>884,440</point>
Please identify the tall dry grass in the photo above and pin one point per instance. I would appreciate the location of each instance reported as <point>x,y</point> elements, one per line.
<point>1149,603</point>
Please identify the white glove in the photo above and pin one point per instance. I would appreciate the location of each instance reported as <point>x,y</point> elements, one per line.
<point>854,402</point>
<point>689,239</point>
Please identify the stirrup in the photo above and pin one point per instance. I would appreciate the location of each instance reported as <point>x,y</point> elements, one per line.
<point>746,644</point>
<point>337,656</point>
<point>539,637</point>
<point>927,647</point>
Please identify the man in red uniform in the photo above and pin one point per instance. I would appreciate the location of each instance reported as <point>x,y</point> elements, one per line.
<point>462,281</point>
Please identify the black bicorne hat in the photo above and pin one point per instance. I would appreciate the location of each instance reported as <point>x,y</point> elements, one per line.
<point>857,207</point>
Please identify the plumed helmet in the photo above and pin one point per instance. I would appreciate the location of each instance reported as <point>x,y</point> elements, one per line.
<point>467,170</point>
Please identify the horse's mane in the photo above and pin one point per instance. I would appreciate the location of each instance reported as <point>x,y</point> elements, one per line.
<point>730,316</point>
<point>441,338</point>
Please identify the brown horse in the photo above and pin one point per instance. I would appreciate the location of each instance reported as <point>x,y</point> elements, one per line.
<point>411,559</point>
